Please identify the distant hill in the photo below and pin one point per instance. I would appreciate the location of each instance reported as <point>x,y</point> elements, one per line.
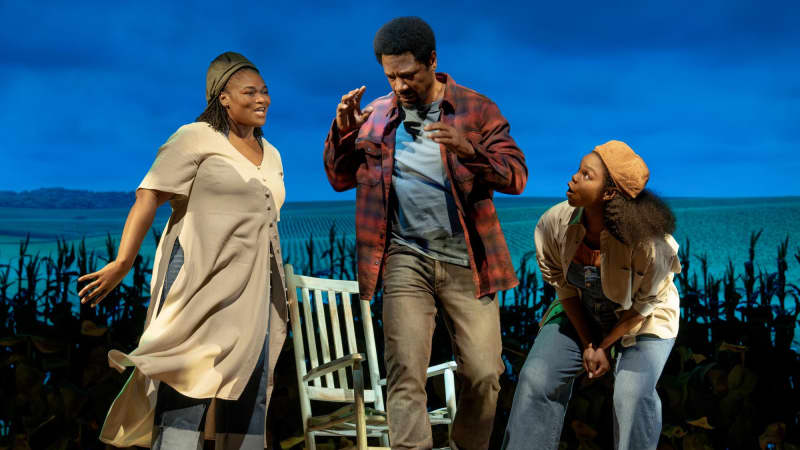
<point>66,199</point>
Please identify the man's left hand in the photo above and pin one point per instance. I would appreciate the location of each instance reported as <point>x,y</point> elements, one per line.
<point>452,140</point>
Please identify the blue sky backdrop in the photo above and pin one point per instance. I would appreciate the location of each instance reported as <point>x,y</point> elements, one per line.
<point>707,92</point>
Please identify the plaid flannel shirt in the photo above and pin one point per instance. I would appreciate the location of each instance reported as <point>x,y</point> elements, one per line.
<point>364,159</point>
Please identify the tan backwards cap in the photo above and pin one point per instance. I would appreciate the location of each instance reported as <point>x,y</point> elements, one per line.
<point>625,167</point>
<point>220,71</point>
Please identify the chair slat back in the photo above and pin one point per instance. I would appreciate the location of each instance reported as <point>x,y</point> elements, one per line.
<point>348,323</point>
<point>336,331</point>
<point>310,334</point>
<point>322,327</point>
<point>323,331</point>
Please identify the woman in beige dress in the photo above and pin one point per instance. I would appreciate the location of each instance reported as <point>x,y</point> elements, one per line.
<point>217,316</point>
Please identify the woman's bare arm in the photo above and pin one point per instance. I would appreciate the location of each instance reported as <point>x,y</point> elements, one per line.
<point>140,219</point>
<point>577,317</point>
<point>627,321</point>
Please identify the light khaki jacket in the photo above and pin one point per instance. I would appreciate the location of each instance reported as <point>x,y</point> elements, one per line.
<point>640,278</point>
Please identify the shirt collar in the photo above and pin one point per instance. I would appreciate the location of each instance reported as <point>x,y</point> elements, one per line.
<point>577,216</point>
<point>576,219</point>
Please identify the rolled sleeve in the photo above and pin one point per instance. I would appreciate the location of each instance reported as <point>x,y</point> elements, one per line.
<point>662,264</point>
<point>566,291</point>
<point>176,163</point>
<point>548,255</point>
<point>645,307</point>
<point>341,159</point>
<point>498,161</point>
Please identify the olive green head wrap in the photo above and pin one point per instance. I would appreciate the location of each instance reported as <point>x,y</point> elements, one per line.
<point>220,71</point>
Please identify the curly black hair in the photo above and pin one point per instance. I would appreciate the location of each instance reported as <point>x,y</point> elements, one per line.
<point>405,34</point>
<point>217,116</point>
<point>634,220</point>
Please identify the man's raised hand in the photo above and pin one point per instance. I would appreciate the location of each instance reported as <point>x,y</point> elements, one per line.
<point>348,114</point>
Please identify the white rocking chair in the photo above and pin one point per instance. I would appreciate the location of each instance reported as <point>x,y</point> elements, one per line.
<point>315,371</point>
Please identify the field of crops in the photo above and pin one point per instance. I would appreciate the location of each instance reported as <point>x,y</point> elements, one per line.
<point>716,227</point>
<point>59,347</point>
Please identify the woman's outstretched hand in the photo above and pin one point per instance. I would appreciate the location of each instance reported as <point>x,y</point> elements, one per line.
<point>102,282</point>
<point>140,219</point>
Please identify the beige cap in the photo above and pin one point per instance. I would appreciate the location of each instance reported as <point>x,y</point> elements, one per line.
<point>625,167</point>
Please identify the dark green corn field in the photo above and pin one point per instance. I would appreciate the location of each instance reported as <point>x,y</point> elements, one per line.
<point>732,381</point>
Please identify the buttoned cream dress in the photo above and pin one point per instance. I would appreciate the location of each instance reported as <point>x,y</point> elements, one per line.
<point>208,334</point>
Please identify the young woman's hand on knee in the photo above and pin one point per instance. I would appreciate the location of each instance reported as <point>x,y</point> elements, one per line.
<point>595,361</point>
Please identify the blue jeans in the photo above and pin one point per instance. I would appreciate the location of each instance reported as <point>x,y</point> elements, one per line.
<point>545,387</point>
<point>416,289</point>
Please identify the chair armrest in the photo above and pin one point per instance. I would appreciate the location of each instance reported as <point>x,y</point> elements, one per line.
<point>441,368</point>
<point>324,369</point>
<point>433,370</point>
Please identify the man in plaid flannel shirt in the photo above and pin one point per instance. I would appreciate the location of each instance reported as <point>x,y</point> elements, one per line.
<point>425,161</point>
